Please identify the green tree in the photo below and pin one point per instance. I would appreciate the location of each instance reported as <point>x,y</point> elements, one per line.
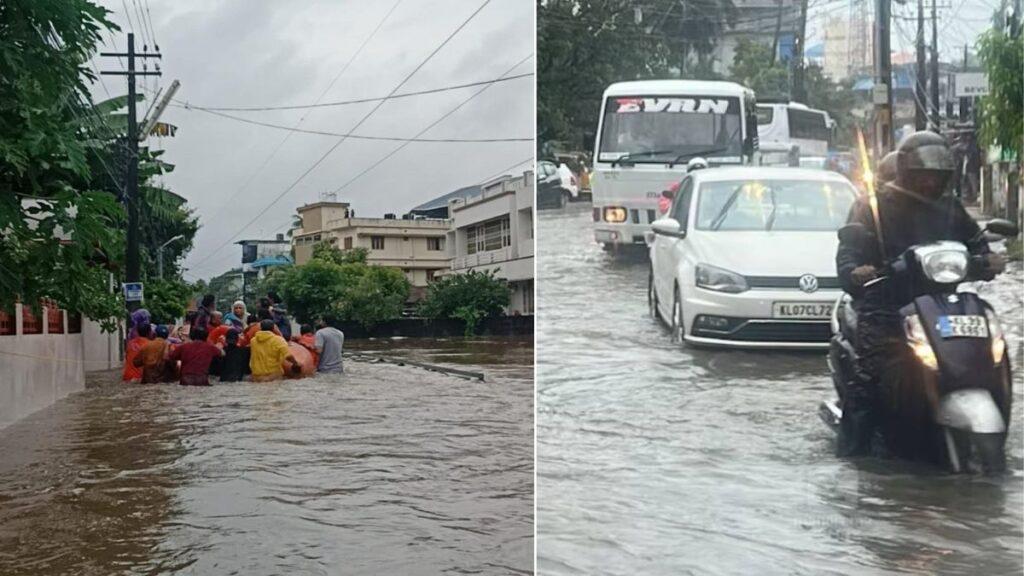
<point>328,253</point>
<point>1002,54</point>
<point>59,228</point>
<point>585,45</point>
<point>469,297</point>
<point>167,300</point>
<point>377,295</point>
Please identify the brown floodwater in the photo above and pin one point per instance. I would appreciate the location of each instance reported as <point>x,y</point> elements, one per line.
<point>383,470</point>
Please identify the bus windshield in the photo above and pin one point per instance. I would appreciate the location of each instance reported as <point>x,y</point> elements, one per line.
<point>659,129</point>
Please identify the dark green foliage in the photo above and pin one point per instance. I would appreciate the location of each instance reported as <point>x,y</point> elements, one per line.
<point>340,286</point>
<point>1002,111</point>
<point>60,226</point>
<point>469,297</point>
<point>166,300</point>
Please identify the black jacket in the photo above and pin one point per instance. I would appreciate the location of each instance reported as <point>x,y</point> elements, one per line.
<point>234,366</point>
<point>907,220</point>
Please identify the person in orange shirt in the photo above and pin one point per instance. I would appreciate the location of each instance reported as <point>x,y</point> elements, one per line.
<point>151,358</point>
<point>254,327</point>
<point>133,373</point>
<point>308,341</point>
<point>218,329</point>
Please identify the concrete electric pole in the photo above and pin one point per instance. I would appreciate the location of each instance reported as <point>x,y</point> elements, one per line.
<point>133,270</point>
<point>799,92</point>
<point>935,67</point>
<point>882,96</point>
<point>921,116</point>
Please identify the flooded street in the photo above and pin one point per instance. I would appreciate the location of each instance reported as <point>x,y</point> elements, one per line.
<point>654,458</point>
<point>384,470</point>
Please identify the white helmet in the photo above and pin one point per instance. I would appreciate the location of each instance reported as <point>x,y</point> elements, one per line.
<point>696,164</point>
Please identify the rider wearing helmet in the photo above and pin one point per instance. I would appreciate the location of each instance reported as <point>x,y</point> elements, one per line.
<point>913,208</point>
<point>887,170</point>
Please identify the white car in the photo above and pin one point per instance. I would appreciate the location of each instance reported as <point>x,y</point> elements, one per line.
<point>746,257</point>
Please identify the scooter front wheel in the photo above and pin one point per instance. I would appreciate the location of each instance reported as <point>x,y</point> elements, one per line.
<point>973,451</point>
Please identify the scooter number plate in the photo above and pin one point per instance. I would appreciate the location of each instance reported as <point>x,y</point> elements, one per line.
<point>972,326</point>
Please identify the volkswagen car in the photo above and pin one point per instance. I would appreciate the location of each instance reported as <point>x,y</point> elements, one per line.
<point>745,257</point>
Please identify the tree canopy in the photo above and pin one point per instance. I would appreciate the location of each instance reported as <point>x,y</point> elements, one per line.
<point>1002,54</point>
<point>469,297</point>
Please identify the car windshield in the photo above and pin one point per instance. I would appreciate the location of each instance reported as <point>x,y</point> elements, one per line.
<point>659,129</point>
<point>786,205</point>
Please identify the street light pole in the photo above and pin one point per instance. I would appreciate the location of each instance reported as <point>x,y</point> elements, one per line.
<point>160,256</point>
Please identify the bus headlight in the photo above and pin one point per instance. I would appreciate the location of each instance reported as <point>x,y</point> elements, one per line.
<point>995,332</point>
<point>917,339</point>
<point>719,280</point>
<point>614,214</point>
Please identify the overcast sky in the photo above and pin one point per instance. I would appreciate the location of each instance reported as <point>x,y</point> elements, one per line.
<point>269,53</point>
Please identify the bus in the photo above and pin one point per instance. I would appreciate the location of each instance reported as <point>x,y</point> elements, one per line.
<point>647,132</point>
<point>794,125</point>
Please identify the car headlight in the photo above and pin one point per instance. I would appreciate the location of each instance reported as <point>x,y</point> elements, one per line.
<point>995,332</point>
<point>720,280</point>
<point>945,267</point>
<point>614,214</point>
<point>917,339</point>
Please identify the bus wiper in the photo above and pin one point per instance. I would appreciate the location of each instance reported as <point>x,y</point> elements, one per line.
<point>720,217</point>
<point>629,154</point>
<point>697,153</point>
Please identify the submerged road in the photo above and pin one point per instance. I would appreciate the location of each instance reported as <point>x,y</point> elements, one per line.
<point>659,459</point>
<point>384,470</point>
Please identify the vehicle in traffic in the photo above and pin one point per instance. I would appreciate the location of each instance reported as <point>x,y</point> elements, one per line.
<point>556,185</point>
<point>951,403</point>
<point>746,257</point>
<point>647,132</point>
<point>794,125</point>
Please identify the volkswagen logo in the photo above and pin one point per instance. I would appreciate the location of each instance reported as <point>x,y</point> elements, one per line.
<point>809,283</point>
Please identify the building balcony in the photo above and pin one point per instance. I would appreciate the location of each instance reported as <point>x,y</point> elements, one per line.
<point>482,258</point>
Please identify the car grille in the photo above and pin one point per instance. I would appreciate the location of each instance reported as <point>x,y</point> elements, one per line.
<point>795,332</point>
<point>824,282</point>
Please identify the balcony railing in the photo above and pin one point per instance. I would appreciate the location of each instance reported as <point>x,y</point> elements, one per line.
<point>482,258</point>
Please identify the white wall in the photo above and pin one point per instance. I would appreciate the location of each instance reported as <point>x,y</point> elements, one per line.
<point>37,370</point>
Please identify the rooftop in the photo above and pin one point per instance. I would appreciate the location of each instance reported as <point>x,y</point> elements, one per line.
<point>442,201</point>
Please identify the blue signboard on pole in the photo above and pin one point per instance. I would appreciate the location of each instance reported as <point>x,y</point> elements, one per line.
<point>133,292</point>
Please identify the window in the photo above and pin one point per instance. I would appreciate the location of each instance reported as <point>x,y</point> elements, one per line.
<point>435,244</point>
<point>492,235</point>
<point>348,242</point>
<point>316,238</point>
<point>377,242</point>
<point>430,275</point>
<point>807,125</point>
<point>657,129</point>
<point>248,253</point>
<point>681,205</point>
<point>783,205</point>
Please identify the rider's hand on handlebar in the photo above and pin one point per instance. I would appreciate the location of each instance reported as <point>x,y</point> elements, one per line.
<point>995,263</point>
<point>861,275</point>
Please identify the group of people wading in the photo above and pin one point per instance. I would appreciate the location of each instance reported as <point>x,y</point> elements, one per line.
<point>232,346</point>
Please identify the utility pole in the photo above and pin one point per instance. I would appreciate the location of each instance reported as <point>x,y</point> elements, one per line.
<point>935,66</point>
<point>133,270</point>
<point>965,102</point>
<point>778,29</point>
<point>921,117</point>
<point>882,96</point>
<point>799,92</point>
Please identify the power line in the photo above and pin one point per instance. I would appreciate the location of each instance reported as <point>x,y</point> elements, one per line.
<point>341,140</point>
<point>280,144</point>
<point>347,102</point>
<point>354,136</point>
<point>421,132</point>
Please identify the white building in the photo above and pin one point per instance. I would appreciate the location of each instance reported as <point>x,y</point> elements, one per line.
<point>415,246</point>
<point>849,46</point>
<point>758,21</point>
<point>494,231</point>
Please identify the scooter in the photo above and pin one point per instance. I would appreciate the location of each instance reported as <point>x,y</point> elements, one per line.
<point>951,403</point>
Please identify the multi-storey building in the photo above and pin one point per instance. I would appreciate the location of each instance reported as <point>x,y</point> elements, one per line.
<point>415,246</point>
<point>494,231</point>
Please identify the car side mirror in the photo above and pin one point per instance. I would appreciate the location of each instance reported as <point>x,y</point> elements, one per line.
<point>1002,227</point>
<point>670,194</point>
<point>667,227</point>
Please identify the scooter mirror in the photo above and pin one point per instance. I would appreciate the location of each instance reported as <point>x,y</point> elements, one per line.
<point>1002,227</point>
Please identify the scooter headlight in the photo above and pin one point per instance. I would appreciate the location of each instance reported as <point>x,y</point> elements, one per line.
<point>945,266</point>
<point>720,280</point>
<point>995,331</point>
<point>917,339</point>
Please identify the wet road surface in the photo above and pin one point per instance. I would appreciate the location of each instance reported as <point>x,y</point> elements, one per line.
<point>385,470</point>
<point>658,459</point>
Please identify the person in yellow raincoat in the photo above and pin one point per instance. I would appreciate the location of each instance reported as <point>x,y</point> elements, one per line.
<point>269,352</point>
